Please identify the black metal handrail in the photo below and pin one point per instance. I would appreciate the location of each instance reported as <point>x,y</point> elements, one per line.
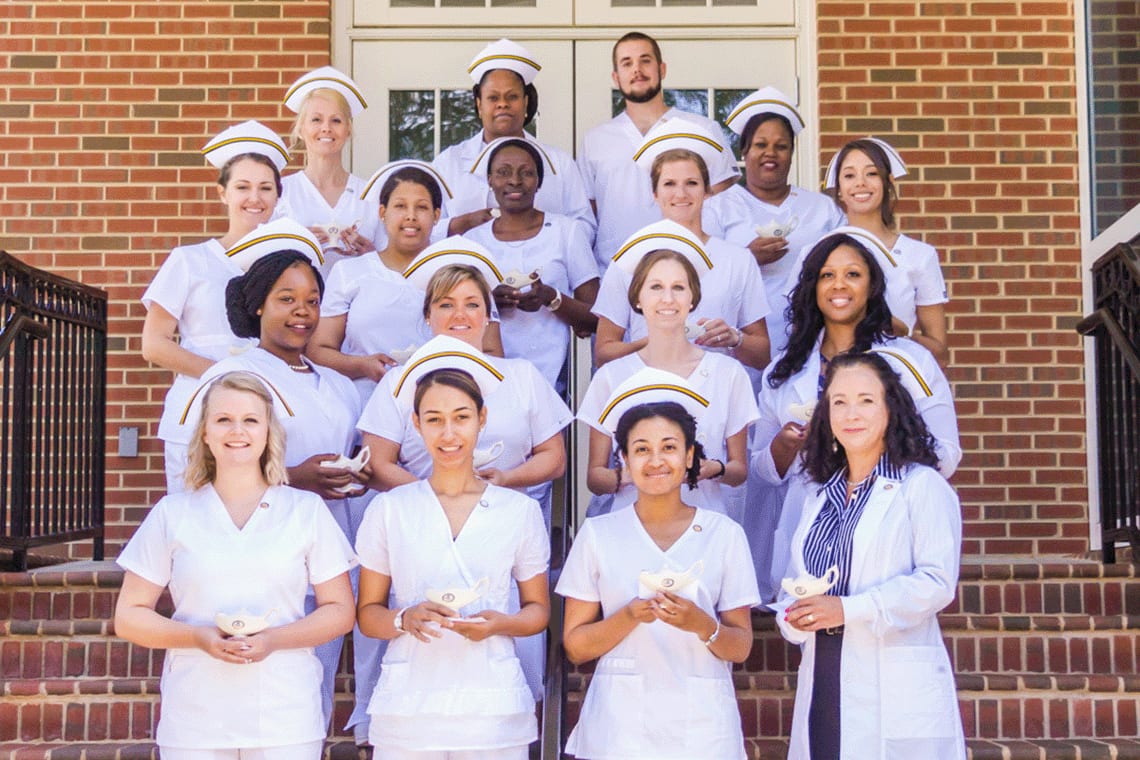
<point>1116,325</point>
<point>53,357</point>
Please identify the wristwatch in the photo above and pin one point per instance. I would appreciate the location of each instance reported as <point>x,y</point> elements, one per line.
<point>398,621</point>
<point>555,302</point>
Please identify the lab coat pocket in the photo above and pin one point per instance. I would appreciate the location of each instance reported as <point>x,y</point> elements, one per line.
<point>712,720</point>
<point>919,701</point>
<point>613,715</point>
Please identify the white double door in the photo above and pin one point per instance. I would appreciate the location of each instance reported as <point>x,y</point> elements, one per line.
<point>420,98</point>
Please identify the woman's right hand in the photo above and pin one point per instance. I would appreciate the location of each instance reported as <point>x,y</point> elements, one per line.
<point>790,439</point>
<point>323,481</point>
<point>214,643</point>
<point>417,620</point>
<point>375,366</point>
<point>457,225</point>
<point>506,297</point>
<point>768,249</point>
<point>641,610</point>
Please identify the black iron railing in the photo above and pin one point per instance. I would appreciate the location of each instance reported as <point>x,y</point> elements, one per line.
<point>53,368</point>
<point>1116,325</point>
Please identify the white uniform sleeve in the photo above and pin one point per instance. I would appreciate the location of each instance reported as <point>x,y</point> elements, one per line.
<point>586,169</point>
<point>579,579</point>
<point>765,431</point>
<point>726,167</point>
<point>937,409</point>
<point>330,554</point>
<point>372,536</point>
<point>580,264</point>
<point>150,552</point>
<point>533,553</point>
<point>754,303</point>
<point>575,201</point>
<point>548,412</point>
<point>613,298</point>
<point>594,400</point>
<point>905,601</point>
<point>742,409</point>
<point>382,416</point>
<point>170,287</point>
<point>929,285</point>
<point>340,290</point>
<point>738,585</point>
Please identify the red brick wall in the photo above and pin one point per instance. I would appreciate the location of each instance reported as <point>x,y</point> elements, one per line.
<point>981,99</point>
<point>103,108</point>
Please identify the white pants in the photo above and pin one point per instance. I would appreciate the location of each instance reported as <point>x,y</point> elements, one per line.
<point>307,751</point>
<point>174,456</point>
<point>505,753</point>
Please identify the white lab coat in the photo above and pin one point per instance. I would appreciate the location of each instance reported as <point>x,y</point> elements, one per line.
<point>898,700</point>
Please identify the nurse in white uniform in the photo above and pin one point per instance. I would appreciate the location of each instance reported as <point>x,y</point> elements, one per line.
<point>861,177</point>
<point>325,196</point>
<point>771,217</point>
<point>186,298</point>
<point>733,311</point>
<point>659,594</point>
<point>551,280</point>
<point>665,288</point>
<point>239,549</point>
<point>370,315</point>
<point>839,306</point>
<point>442,558</point>
<point>506,101</point>
<point>875,680</point>
<point>278,302</point>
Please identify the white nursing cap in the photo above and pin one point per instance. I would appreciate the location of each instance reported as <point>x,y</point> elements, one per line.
<point>870,241</point>
<point>376,182</point>
<point>479,168</point>
<point>445,352</point>
<point>279,235</point>
<point>504,54</point>
<point>678,133</point>
<point>325,78</point>
<point>898,166</point>
<point>247,137</point>
<point>192,412</point>
<point>764,100</point>
<point>664,234</point>
<point>647,386</point>
<point>453,250</point>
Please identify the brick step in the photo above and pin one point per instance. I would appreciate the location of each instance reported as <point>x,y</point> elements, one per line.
<point>1053,749</point>
<point>61,594</point>
<point>334,750</point>
<point>1072,587</point>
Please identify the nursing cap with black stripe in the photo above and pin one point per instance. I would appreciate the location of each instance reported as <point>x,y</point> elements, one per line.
<point>445,352</point>
<point>649,385</point>
<point>247,137</point>
<point>325,78</point>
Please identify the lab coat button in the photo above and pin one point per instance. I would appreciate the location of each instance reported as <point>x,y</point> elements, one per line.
<point>888,486</point>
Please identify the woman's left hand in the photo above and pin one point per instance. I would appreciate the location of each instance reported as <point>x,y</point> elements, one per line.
<point>678,612</point>
<point>815,613</point>
<point>353,243</point>
<point>710,468</point>
<point>538,295</point>
<point>491,475</point>
<point>717,334</point>
<point>253,648</point>
<point>474,630</point>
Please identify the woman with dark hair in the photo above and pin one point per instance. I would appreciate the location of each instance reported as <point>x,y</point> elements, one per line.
<point>838,306</point>
<point>861,177</point>
<point>884,531</point>
<point>277,302</point>
<point>506,101</point>
<point>185,329</point>
<point>554,279</point>
<point>238,550</point>
<point>660,595</point>
<point>439,557</point>
<point>767,214</point>
<point>370,311</point>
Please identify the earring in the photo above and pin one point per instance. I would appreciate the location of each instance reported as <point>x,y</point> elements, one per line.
<point>259,312</point>
<point>834,447</point>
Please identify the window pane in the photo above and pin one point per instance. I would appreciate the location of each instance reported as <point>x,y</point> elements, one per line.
<point>458,119</point>
<point>695,101</point>
<point>723,101</point>
<point>513,4</point>
<point>411,124</point>
<point>633,3</point>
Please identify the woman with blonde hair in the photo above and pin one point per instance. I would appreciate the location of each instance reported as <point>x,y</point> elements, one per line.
<point>238,552</point>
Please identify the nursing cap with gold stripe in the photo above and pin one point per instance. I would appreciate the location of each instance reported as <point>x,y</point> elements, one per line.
<point>898,166</point>
<point>479,168</point>
<point>453,250</point>
<point>666,235</point>
<point>764,100</point>
<point>679,133</point>
<point>872,243</point>
<point>279,235</point>
<point>647,386</point>
<point>325,78</point>
<point>445,352</point>
<point>504,54</point>
<point>906,367</point>
<point>376,182</point>
<point>247,137</point>
<point>192,412</point>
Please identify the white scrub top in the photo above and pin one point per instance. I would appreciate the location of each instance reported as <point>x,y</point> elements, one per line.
<point>191,286</point>
<point>388,316</point>
<point>734,216</point>
<point>660,694</point>
<point>522,412</point>
<point>623,191</point>
<point>562,191</point>
<point>733,291</point>
<point>732,408</point>
<point>302,202</point>
<point>915,279</point>
<point>452,694</point>
<point>561,253</point>
<point>189,543</point>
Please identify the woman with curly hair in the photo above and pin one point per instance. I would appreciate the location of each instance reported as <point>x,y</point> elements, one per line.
<point>884,531</point>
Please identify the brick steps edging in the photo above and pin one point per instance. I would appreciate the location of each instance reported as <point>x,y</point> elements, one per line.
<point>334,750</point>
